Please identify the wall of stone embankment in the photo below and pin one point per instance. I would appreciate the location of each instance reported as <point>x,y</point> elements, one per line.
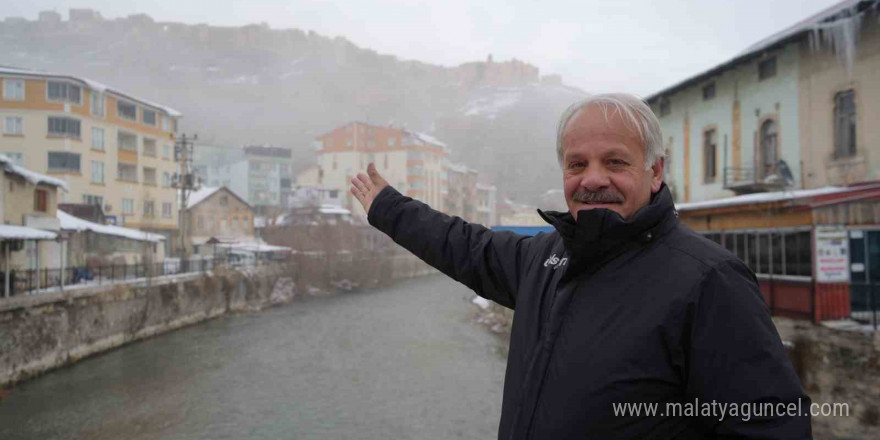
<point>46,331</point>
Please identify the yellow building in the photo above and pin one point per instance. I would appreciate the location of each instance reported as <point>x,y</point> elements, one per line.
<point>112,149</point>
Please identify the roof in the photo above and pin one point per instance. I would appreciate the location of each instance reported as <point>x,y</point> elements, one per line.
<point>770,197</point>
<point>71,223</point>
<point>31,176</point>
<point>791,33</point>
<point>12,232</point>
<point>94,85</point>
<point>205,192</point>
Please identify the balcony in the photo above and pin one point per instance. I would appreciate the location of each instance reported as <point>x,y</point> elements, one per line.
<point>748,180</point>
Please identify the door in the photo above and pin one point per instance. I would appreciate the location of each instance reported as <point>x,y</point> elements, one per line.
<point>865,275</point>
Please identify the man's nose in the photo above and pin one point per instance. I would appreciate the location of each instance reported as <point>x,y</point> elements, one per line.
<point>594,179</point>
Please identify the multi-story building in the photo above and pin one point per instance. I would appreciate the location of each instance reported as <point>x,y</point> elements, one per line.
<point>111,148</point>
<point>260,173</point>
<point>485,202</point>
<point>803,96</point>
<point>411,162</point>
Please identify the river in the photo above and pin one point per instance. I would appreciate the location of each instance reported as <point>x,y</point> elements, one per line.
<point>404,362</point>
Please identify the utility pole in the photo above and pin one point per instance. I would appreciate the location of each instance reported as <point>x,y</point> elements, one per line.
<point>185,182</point>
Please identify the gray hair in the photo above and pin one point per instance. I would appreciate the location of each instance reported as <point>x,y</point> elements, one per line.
<point>635,113</point>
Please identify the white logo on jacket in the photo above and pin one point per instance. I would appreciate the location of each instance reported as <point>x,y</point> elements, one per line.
<point>555,261</point>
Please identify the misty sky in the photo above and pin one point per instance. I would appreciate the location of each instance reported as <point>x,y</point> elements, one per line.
<point>638,46</point>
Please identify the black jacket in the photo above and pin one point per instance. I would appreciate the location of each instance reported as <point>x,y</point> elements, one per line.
<point>613,312</point>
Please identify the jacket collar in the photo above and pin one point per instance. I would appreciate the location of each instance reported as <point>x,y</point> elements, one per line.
<point>598,232</point>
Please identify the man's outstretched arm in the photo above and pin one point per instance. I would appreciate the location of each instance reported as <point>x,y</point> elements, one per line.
<point>488,262</point>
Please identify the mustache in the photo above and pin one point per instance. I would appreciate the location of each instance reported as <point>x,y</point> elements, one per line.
<point>584,195</point>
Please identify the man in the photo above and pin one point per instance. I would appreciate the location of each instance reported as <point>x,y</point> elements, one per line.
<point>622,304</point>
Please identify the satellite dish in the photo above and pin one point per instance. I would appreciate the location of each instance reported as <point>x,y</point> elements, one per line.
<point>785,173</point>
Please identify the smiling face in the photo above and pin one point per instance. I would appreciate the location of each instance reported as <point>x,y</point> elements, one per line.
<point>603,165</point>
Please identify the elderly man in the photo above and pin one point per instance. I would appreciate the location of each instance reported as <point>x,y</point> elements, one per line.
<point>627,323</point>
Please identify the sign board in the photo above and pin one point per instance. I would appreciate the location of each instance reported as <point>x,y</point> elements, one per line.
<point>831,254</point>
<point>110,219</point>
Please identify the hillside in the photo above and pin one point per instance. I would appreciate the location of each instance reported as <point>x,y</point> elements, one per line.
<point>253,84</point>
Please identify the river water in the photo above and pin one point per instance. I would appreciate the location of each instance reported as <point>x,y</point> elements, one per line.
<point>405,362</point>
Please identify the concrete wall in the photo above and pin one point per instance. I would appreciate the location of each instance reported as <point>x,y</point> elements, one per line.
<point>39,333</point>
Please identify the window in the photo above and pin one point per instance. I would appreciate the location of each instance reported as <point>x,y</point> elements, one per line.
<point>98,138</point>
<point>15,158</point>
<point>710,147</point>
<point>13,126</point>
<point>63,161</point>
<point>709,91</point>
<point>166,179</point>
<point>126,110</point>
<point>127,172</point>
<point>201,222</point>
<point>224,200</point>
<point>391,141</point>
<point>64,127</point>
<point>13,89</point>
<point>149,116</point>
<point>62,91</point>
<point>769,150</point>
<point>149,208</point>
<point>149,147</point>
<point>767,68</point>
<point>665,107</point>
<point>41,200</point>
<point>128,206</point>
<point>96,99</point>
<point>844,124</point>
<point>126,141</point>
<point>165,125</point>
<point>235,224</point>
<point>97,171</point>
<point>149,176</point>
<point>89,199</point>
<point>166,209</point>
<point>166,151</point>
<point>773,252</point>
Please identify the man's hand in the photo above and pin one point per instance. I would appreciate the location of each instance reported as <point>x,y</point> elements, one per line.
<point>366,188</point>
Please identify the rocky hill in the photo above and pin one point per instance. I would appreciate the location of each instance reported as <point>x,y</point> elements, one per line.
<point>253,84</point>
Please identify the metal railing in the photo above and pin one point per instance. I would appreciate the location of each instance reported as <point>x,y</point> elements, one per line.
<point>865,302</point>
<point>29,281</point>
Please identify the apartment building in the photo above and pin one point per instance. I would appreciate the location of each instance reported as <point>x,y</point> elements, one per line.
<point>412,162</point>
<point>260,173</point>
<point>111,148</point>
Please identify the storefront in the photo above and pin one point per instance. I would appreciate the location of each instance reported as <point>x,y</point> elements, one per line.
<point>816,253</point>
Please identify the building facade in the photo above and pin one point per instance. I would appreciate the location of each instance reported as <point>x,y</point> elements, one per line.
<point>260,173</point>
<point>411,162</point>
<point>112,149</point>
<point>792,111</point>
<point>218,213</point>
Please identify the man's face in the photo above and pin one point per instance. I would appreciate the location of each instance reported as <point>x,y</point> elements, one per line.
<point>603,165</point>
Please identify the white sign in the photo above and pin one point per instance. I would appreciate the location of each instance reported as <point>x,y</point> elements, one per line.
<point>832,254</point>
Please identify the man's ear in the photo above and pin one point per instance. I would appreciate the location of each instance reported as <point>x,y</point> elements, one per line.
<point>657,175</point>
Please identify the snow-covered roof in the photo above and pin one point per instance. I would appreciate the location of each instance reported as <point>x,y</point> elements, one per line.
<point>31,176</point>
<point>333,209</point>
<point>765,197</point>
<point>71,223</point>
<point>94,85</point>
<point>847,8</point>
<point>203,193</point>
<point>12,232</point>
<point>427,138</point>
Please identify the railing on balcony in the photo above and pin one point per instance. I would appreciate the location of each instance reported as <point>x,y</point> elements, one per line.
<point>747,180</point>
